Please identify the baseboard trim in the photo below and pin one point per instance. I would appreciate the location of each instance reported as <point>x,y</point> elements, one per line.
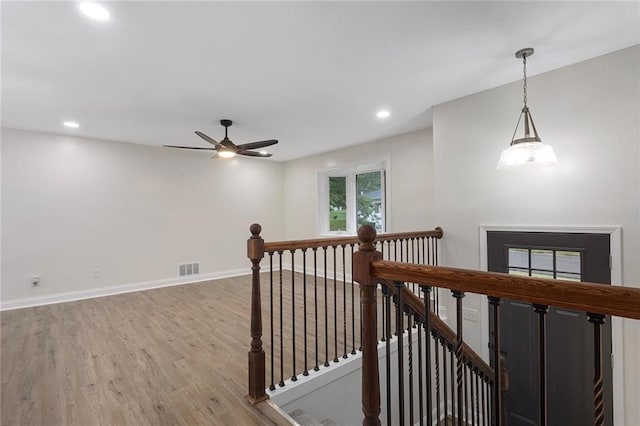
<point>71,296</point>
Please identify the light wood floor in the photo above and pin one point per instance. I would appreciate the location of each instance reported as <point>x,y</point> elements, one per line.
<point>170,356</point>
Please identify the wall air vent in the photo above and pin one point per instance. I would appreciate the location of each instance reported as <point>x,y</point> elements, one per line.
<point>191,268</point>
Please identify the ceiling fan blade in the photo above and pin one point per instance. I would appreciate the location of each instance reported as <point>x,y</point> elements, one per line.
<point>208,139</point>
<point>254,154</point>
<point>190,147</point>
<point>257,145</point>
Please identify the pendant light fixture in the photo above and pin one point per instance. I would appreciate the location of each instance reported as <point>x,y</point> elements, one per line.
<point>529,149</point>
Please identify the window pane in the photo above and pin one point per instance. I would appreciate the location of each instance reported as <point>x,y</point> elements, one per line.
<point>541,274</point>
<point>337,203</point>
<point>520,272</point>
<point>519,257</point>
<point>369,200</point>
<point>568,261</point>
<point>542,259</point>
<point>567,276</point>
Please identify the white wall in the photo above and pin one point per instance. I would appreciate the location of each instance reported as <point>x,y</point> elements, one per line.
<point>411,192</point>
<point>71,205</point>
<point>589,112</point>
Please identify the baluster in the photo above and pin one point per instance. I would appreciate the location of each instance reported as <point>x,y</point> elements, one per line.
<point>445,371</point>
<point>395,250</point>
<point>413,260</point>
<point>436,347</point>
<point>542,310</point>
<point>384,327</point>
<point>484,403</point>
<point>410,350</point>
<point>477,410</point>
<point>315,301</point>
<point>420,388</point>
<point>453,375</point>
<point>353,310</point>
<point>335,306</point>
<point>496,407</point>
<point>326,312</point>
<point>344,299</point>
<point>281,384</point>
<point>386,292</point>
<point>598,392</point>
<point>304,308</point>
<point>468,392</point>
<point>427,325</point>
<point>399,331</point>
<point>293,314</point>
<point>255,252</point>
<point>460,362</point>
<point>488,386</point>
<point>472,394</point>
<point>272,385</point>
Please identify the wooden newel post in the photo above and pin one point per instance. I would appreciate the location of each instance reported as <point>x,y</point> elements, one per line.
<point>362,260</point>
<point>255,252</point>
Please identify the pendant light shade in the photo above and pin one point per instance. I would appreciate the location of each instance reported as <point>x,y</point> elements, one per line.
<point>529,149</point>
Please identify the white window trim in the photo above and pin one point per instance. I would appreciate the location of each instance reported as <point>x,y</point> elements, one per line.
<point>350,172</point>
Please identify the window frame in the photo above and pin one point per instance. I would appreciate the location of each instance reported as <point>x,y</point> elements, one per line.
<point>350,174</point>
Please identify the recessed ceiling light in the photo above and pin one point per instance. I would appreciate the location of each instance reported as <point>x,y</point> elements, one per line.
<point>71,124</point>
<point>263,152</point>
<point>94,11</point>
<point>383,114</point>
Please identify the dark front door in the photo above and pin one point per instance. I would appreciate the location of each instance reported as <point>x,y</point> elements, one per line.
<point>576,257</point>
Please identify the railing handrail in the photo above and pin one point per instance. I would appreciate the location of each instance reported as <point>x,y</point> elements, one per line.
<point>583,296</point>
<point>276,246</point>
<point>418,307</point>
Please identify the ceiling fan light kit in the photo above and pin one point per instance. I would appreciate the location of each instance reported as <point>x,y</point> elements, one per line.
<point>227,149</point>
<point>529,149</point>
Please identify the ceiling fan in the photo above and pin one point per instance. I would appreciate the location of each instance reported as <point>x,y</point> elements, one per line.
<point>227,149</point>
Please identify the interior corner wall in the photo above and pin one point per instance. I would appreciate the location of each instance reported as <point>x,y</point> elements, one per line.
<point>589,112</point>
<point>410,198</point>
<point>134,212</point>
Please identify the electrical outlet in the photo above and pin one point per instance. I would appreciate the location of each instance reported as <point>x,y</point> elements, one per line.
<point>35,280</point>
<point>470,314</point>
<point>95,273</point>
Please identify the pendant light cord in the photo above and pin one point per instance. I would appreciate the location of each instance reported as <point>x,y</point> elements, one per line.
<point>524,79</point>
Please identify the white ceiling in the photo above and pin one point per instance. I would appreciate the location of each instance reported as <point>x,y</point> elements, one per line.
<point>311,74</point>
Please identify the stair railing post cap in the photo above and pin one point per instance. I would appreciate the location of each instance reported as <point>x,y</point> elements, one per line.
<point>255,230</point>
<point>367,235</point>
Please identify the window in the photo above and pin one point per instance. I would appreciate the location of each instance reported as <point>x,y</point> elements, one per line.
<point>351,198</point>
<point>545,263</point>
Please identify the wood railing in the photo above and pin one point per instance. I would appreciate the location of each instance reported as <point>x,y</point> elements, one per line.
<point>595,300</point>
<point>310,302</point>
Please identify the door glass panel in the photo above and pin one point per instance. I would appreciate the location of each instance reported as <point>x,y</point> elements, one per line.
<point>542,259</point>
<point>541,274</point>
<point>568,261</point>
<point>519,257</point>
<point>567,276</point>
<point>521,272</point>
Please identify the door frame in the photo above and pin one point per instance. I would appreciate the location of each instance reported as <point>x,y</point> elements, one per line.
<point>615,233</point>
